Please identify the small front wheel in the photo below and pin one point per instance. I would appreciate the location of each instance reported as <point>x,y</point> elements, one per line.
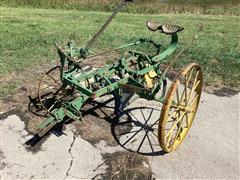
<point>180,107</point>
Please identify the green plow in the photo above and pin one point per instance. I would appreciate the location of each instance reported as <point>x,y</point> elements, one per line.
<point>137,73</point>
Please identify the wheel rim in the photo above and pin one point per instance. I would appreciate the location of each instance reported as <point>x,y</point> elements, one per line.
<point>136,130</point>
<point>50,88</point>
<point>180,107</point>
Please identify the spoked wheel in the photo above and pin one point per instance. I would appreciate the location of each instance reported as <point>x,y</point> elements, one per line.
<point>136,130</point>
<point>51,92</point>
<point>180,107</point>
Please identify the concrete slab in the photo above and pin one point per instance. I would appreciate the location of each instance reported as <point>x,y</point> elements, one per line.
<point>54,159</point>
<point>211,150</point>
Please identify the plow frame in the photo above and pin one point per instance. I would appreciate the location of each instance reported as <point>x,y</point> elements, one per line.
<point>137,73</point>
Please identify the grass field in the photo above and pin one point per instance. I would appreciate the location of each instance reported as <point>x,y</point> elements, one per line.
<point>217,7</point>
<point>27,37</point>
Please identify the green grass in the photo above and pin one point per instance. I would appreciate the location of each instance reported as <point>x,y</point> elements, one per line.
<point>223,7</point>
<point>27,37</point>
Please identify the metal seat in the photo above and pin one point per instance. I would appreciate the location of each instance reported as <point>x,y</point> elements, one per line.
<point>164,28</point>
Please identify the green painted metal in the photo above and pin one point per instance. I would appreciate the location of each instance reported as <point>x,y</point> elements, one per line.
<point>130,71</point>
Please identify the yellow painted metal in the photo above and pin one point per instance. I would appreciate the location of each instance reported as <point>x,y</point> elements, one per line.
<point>149,77</point>
<point>180,107</point>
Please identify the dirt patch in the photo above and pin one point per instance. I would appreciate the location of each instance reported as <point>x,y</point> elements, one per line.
<point>102,60</point>
<point>26,92</point>
<point>8,77</point>
<point>125,165</point>
<point>28,81</point>
<point>96,125</point>
<point>18,104</point>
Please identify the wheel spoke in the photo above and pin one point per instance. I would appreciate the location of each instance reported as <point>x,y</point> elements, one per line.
<point>168,139</point>
<point>177,93</point>
<point>140,145</point>
<point>149,141</point>
<point>143,115</point>
<point>124,133</point>
<point>190,76</point>
<point>154,133</point>
<point>52,78</point>
<point>190,95</point>
<point>195,98</point>
<point>175,124</point>
<point>152,137</point>
<point>150,115</point>
<point>49,110</point>
<point>171,120</point>
<point>178,133</point>
<point>131,137</point>
<point>183,93</point>
<point>154,123</point>
<point>183,99</point>
<point>187,123</point>
<point>172,115</point>
<point>194,86</point>
<point>133,116</point>
<point>179,128</point>
<point>137,131</point>
<point>186,91</point>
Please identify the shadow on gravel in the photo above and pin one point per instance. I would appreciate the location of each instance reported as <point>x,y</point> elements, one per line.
<point>225,92</point>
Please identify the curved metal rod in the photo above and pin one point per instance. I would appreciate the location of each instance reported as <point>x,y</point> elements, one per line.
<point>171,48</point>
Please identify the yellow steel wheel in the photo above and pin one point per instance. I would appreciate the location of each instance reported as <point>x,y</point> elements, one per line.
<point>180,107</point>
